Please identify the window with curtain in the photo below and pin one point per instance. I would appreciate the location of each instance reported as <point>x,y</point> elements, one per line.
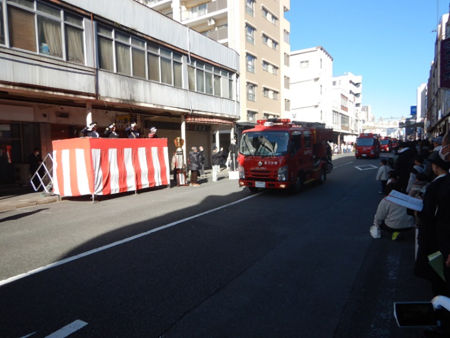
<point>166,65</point>
<point>21,29</point>
<point>105,52</point>
<point>216,84</point>
<point>49,35</point>
<point>49,30</point>
<point>123,59</point>
<point>74,38</point>
<point>208,79</point>
<point>177,74</point>
<point>230,88</point>
<point>200,80</point>
<point>2,32</point>
<point>138,57</point>
<point>251,91</point>
<point>224,84</point>
<point>138,63</point>
<point>153,67</point>
<point>250,33</point>
<point>191,78</point>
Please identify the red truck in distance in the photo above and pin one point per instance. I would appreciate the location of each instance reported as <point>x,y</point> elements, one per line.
<point>280,154</point>
<point>386,145</point>
<point>367,146</point>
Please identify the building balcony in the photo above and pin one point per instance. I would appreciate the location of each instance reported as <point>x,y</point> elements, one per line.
<point>220,33</point>
<point>203,10</point>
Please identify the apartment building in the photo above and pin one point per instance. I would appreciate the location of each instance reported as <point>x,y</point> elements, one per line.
<point>317,96</point>
<point>259,32</point>
<point>437,119</point>
<point>60,60</point>
<point>346,103</point>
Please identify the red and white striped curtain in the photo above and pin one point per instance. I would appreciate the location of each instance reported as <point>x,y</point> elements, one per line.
<point>90,166</point>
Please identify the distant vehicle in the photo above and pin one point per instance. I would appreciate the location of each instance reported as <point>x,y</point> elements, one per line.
<point>394,144</point>
<point>386,145</point>
<point>367,146</point>
<point>280,154</point>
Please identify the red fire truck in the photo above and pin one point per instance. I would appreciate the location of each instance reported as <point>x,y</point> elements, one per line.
<point>367,145</point>
<point>386,145</point>
<point>280,154</point>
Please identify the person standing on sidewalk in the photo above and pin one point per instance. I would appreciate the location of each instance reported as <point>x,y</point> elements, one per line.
<point>194,165</point>
<point>216,159</point>
<point>201,154</point>
<point>382,175</point>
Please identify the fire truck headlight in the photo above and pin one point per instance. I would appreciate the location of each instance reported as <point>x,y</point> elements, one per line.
<point>283,173</point>
<point>241,172</point>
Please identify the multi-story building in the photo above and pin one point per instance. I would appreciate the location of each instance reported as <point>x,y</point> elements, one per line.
<point>346,103</point>
<point>60,60</point>
<point>421,109</point>
<point>311,78</point>
<point>438,88</point>
<point>317,96</point>
<point>259,32</point>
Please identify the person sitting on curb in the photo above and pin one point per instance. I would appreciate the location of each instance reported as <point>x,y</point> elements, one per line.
<point>392,218</point>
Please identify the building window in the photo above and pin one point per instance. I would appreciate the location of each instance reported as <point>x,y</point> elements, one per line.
<point>74,38</point>
<point>251,92</point>
<point>200,76</point>
<point>2,31</point>
<point>123,61</point>
<point>138,57</point>
<point>286,82</point>
<point>304,64</point>
<point>209,79</point>
<point>191,77</point>
<point>105,48</point>
<point>268,67</point>
<point>22,33</point>
<point>286,36</point>
<point>269,42</point>
<point>270,94</point>
<point>251,115</point>
<point>251,63</point>
<point>177,70</point>
<point>287,105</point>
<point>286,59</point>
<point>49,30</point>
<point>269,16</point>
<point>250,7</point>
<point>166,65</point>
<point>250,33</point>
<point>217,82</point>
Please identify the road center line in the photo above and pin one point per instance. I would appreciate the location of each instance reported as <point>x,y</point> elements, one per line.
<point>117,243</point>
<point>68,329</point>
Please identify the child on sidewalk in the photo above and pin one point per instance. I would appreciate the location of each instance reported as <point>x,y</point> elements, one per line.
<point>382,175</point>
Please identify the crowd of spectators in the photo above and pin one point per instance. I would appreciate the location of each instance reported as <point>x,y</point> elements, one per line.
<point>420,170</point>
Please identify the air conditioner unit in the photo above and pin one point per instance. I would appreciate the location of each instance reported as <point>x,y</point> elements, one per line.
<point>211,22</point>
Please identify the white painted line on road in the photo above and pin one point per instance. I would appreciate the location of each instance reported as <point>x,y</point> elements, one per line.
<point>68,329</point>
<point>29,335</point>
<point>343,164</point>
<point>122,241</point>
<point>366,167</point>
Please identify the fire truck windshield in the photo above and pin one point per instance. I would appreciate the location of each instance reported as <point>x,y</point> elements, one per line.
<point>384,142</point>
<point>265,143</point>
<point>364,141</point>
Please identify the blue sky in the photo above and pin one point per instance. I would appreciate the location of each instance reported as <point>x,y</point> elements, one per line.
<point>389,42</point>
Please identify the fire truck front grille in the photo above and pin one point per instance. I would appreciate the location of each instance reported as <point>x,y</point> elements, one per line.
<point>261,174</point>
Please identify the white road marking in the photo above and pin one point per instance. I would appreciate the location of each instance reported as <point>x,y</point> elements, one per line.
<point>366,167</point>
<point>117,243</point>
<point>28,335</point>
<point>68,329</point>
<point>343,164</point>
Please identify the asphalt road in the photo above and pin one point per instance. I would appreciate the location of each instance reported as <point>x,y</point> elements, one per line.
<point>212,261</point>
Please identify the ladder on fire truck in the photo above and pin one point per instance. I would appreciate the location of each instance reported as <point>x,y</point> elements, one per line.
<point>42,177</point>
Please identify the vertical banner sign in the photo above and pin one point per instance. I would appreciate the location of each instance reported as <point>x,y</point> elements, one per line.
<point>414,111</point>
<point>444,81</point>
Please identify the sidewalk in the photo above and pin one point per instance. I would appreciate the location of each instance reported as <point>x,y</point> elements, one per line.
<point>21,197</point>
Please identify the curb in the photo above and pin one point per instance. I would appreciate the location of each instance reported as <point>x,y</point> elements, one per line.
<point>27,203</point>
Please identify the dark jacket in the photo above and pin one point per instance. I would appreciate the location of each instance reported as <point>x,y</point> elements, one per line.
<point>194,160</point>
<point>132,133</point>
<point>428,236</point>
<point>216,158</point>
<point>403,166</point>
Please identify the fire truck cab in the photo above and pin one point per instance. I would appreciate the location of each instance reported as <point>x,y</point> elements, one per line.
<point>367,145</point>
<point>280,154</point>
